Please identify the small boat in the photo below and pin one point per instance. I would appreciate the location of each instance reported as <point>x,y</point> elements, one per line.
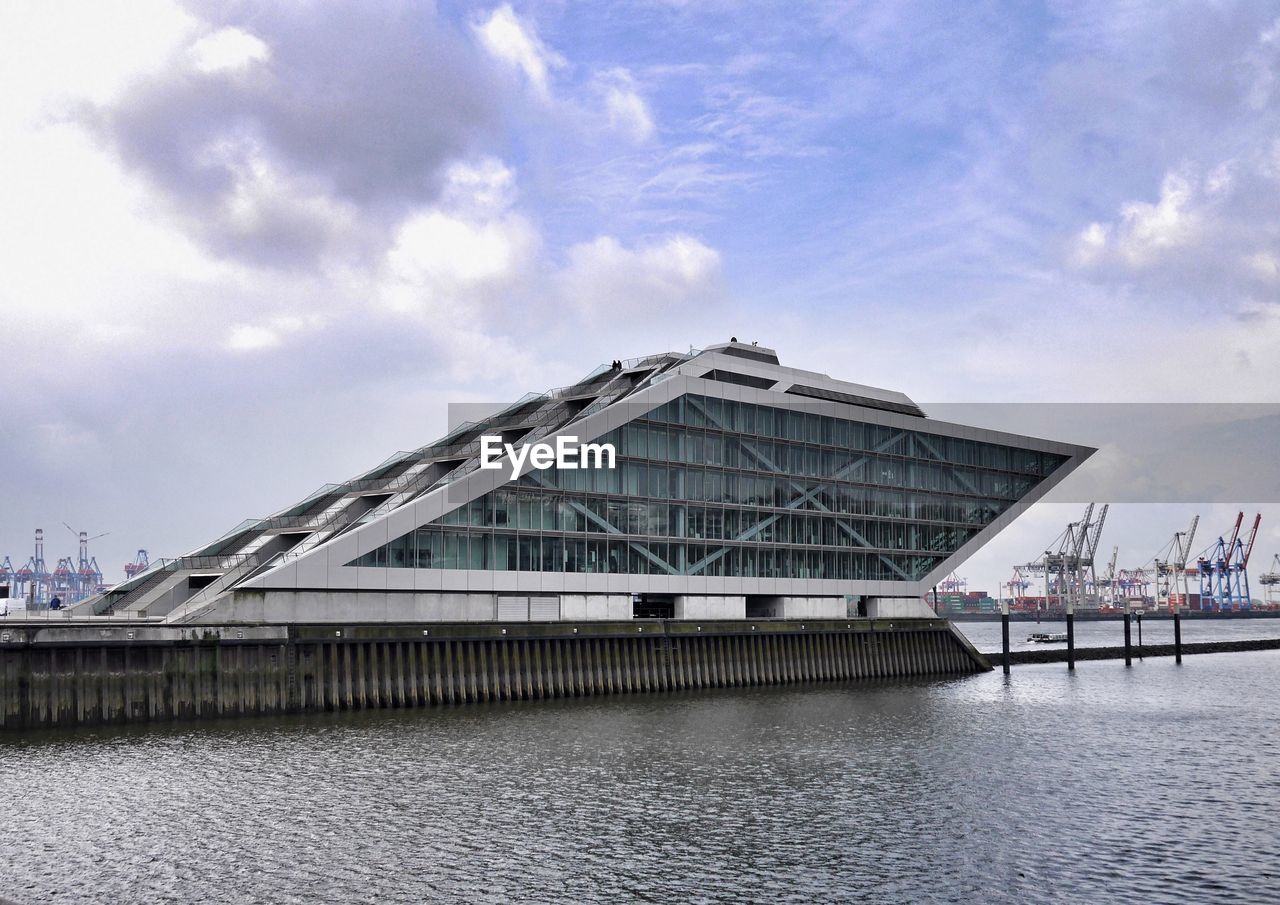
<point>1048,637</point>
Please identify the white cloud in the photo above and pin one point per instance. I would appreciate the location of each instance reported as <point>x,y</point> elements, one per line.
<point>228,50</point>
<point>1216,233</point>
<point>52,50</point>
<point>483,185</point>
<point>510,40</point>
<point>252,338</point>
<point>1263,61</point>
<point>437,258</point>
<point>604,278</point>
<point>462,253</point>
<point>628,112</point>
<point>1266,265</point>
<point>1145,231</point>
<point>271,332</point>
<point>272,167</point>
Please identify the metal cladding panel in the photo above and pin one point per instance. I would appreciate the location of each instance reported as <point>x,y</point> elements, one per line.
<point>370,579</point>
<point>544,609</point>
<point>514,609</point>
<point>507,581</point>
<point>402,582</point>
<point>314,571</point>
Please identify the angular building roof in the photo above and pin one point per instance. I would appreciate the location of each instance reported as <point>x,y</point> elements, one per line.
<point>321,542</point>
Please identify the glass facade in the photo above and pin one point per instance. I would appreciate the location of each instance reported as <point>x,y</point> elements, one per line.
<point>713,487</point>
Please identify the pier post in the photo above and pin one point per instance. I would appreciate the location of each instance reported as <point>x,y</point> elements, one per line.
<point>1071,636</point>
<point>1128,657</point>
<point>1004,633</point>
<point>1177,634</point>
<point>1139,634</point>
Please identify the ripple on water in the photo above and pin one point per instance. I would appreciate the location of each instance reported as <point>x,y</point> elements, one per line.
<point>1155,784</point>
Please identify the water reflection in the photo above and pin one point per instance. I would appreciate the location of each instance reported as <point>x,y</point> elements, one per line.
<point>1153,784</point>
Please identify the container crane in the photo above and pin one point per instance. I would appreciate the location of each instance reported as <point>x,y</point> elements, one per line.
<point>1133,585</point>
<point>1270,581</point>
<point>139,565</point>
<point>8,577</point>
<point>954,584</point>
<point>1224,575</point>
<point>1107,584</point>
<point>64,583</point>
<point>1067,567</point>
<point>1172,588</point>
<point>1017,585</point>
<point>34,578</point>
<point>1243,574</point>
<point>1088,577</point>
<point>88,575</point>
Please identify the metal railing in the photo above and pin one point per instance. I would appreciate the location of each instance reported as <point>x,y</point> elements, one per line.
<point>14,618</point>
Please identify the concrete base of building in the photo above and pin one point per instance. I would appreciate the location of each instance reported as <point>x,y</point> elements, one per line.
<point>595,606</point>
<point>710,607</point>
<point>295,607</point>
<point>899,608</point>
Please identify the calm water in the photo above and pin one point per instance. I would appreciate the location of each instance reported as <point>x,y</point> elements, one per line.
<point>1158,783</point>
<point>1110,633</point>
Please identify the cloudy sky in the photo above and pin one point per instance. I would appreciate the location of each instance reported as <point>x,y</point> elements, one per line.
<point>248,248</point>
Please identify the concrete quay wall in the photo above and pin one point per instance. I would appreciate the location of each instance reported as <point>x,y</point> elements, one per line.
<point>70,675</point>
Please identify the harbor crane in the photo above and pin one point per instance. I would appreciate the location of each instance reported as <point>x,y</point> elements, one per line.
<point>1017,585</point>
<point>34,578</point>
<point>954,584</point>
<point>1133,585</point>
<point>1105,590</point>
<point>1068,567</point>
<point>1270,581</point>
<point>1224,569</point>
<point>9,577</point>
<point>139,565</point>
<point>88,575</point>
<point>1172,585</point>
<point>72,578</point>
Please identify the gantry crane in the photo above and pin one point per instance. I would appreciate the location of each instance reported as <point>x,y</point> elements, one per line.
<point>8,578</point>
<point>1068,568</point>
<point>1172,585</point>
<point>1270,581</point>
<point>139,565</point>
<point>1017,586</point>
<point>952,584</point>
<point>34,578</point>
<point>1133,585</point>
<point>88,575</point>
<point>1223,568</point>
<point>1106,587</point>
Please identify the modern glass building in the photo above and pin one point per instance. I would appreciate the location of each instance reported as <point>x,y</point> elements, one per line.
<point>740,488</point>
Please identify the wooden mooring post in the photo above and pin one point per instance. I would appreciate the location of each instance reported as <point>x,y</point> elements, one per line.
<point>1004,633</point>
<point>1128,653</point>
<point>1071,636</point>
